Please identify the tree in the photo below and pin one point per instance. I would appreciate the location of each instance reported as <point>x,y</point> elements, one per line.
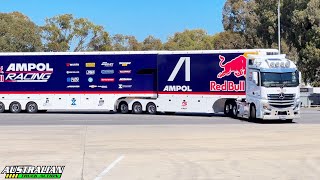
<point>256,22</point>
<point>125,43</point>
<point>229,40</point>
<point>18,33</point>
<point>66,33</point>
<point>190,40</point>
<point>151,43</point>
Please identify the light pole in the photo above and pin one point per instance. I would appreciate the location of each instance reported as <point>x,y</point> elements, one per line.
<point>279,29</point>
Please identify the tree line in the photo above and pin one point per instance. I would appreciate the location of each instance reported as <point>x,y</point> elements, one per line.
<point>247,24</point>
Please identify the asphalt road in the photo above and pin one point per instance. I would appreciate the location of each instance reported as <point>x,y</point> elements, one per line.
<point>308,116</point>
<point>97,145</point>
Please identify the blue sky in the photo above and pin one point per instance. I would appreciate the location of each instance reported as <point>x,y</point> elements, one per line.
<point>140,18</point>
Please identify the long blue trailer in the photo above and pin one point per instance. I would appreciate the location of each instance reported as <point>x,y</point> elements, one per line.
<point>168,81</point>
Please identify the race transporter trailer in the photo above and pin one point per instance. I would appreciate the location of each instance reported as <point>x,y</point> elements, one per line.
<point>241,83</point>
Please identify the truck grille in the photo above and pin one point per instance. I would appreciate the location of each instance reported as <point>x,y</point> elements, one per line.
<point>281,100</point>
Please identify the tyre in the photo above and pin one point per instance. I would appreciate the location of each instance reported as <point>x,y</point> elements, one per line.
<point>151,108</point>
<point>32,107</point>
<point>234,109</point>
<point>123,108</point>
<point>253,112</point>
<point>15,107</point>
<point>136,108</point>
<point>2,107</point>
<point>227,108</point>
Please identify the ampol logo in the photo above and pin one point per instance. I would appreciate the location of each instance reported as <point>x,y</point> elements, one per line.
<point>28,72</point>
<point>237,66</point>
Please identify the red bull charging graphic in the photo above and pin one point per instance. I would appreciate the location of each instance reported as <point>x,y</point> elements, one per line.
<point>237,67</point>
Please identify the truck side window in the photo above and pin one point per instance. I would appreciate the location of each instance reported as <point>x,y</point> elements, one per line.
<point>255,78</point>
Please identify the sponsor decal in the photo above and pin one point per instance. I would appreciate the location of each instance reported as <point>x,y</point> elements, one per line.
<point>90,65</point>
<point>73,72</point>
<point>107,71</point>
<point>184,104</point>
<point>125,79</point>
<point>1,78</point>
<point>124,86</point>
<point>93,86</point>
<point>90,72</point>
<point>73,102</point>
<point>124,64</point>
<point>72,64</point>
<point>90,79</point>
<point>237,66</point>
<point>101,102</point>
<point>103,87</point>
<point>73,86</point>
<point>227,86</point>
<point>124,71</point>
<point>107,79</point>
<point>100,86</point>
<point>27,72</point>
<point>176,88</point>
<point>106,64</point>
<point>73,79</point>
<point>33,172</point>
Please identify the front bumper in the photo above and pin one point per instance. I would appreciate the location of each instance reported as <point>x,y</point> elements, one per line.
<point>280,114</point>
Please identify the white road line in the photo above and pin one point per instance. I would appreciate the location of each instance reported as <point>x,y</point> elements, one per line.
<point>103,173</point>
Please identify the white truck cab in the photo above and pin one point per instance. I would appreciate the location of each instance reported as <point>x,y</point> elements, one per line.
<point>272,89</point>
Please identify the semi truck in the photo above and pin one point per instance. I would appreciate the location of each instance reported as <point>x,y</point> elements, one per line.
<point>247,83</point>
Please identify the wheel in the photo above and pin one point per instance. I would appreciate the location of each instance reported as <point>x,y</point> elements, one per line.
<point>252,112</point>
<point>2,107</point>
<point>15,107</point>
<point>234,112</point>
<point>32,107</point>
<point>136,108</point>
<point>151,108</point>
<point>123,108</point>
<point>227,108</point>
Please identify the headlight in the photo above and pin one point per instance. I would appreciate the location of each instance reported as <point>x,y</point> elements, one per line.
<point>297,105</point>
<point>266,106</point>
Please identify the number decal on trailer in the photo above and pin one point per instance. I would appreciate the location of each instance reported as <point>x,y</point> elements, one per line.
<point>175,71</point>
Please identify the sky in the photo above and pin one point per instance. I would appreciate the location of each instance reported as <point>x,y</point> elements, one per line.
<point>160,18</point>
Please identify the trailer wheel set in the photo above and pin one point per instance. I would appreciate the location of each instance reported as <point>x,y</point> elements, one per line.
<point>137,108</point>
<point>15,107</point>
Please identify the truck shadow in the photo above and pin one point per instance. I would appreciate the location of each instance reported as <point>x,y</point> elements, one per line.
<point>267,121</point>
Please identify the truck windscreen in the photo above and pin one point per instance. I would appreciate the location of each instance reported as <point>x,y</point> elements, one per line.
<point>271,79</point>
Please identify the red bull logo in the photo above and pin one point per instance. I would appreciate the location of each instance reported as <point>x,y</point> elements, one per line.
<point>227,86</point>
<point>237,66</point>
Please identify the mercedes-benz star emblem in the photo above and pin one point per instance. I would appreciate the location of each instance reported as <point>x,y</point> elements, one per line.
<point>281,96</point>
